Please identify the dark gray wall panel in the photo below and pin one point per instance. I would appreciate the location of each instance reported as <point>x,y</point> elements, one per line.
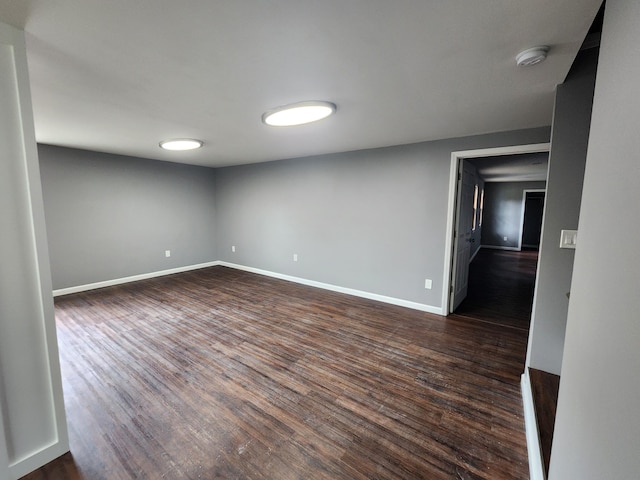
<point>503,212</point>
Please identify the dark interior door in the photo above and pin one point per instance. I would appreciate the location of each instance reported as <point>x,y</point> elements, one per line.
<point>532,227</point>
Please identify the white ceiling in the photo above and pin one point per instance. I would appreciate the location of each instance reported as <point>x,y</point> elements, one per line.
<point>119,76</point>
<point>526,167</point>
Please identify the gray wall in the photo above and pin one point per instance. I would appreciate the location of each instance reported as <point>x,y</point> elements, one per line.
<point>570,134</point>
<point>597,430</point>
<point>371,220</point>
<point>110,216</point>
<point>503,203</point>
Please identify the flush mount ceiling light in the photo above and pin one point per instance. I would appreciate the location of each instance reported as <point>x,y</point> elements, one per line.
<point>532,56</point>
<point>181,144</point>
<point>298,113</point>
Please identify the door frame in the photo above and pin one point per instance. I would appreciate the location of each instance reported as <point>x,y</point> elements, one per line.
<point>456,158</point>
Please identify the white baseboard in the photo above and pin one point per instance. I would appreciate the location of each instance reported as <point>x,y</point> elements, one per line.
<point>334,288</point>
<point>498,247</point>
<point>536,470</point>
<point>36,460</point>
<point>134,278</point>
<point>312,283</point>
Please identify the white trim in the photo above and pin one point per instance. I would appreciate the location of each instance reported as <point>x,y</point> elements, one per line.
<point>37,296</point>
<point>4,456</point>
<point>134,278</point>
<point>303,281</point>
<point>334,288</point>
<point>453,181</point>
<point>501,247</point>
<point>536,470</point>
<point>524,204</point>
<point>37,459</point>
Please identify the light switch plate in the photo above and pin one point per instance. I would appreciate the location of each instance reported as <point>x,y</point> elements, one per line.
<point>568,238</point>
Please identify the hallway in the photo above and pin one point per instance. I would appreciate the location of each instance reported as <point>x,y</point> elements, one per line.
<point>501,285</point>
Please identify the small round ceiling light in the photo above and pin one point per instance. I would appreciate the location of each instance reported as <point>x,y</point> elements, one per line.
<point>181,144</point>
<point>532,56</point>
<point>298,114</point>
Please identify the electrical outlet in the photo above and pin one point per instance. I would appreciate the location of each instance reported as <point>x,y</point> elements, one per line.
<point>167,253</point>
<point>295,257</point>
<point>428,283</point>
<point>504,238</point>
<point>233,248</point>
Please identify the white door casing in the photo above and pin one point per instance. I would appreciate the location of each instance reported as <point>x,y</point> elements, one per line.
<point>456,159</point>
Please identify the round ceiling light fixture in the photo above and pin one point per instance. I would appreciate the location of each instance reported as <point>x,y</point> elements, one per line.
<point>532,56</point>
<point>181,144</point>
<point>298,113</point>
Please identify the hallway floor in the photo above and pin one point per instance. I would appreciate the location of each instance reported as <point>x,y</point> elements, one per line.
<point>501,285</point>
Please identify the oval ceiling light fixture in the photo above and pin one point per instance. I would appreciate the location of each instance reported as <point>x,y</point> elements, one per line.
<point>532,56</point>
<point>298,113</point>
<point>181,144</point>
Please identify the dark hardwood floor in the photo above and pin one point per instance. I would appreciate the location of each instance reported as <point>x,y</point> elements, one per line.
<point>544,389</point>
<point>223,374</point>
<point>501,286</point>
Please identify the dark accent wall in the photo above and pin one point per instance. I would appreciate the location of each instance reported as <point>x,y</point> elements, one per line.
<point>503,204</point>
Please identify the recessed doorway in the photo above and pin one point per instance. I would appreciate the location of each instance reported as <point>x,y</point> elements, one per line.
<point>498,255</point>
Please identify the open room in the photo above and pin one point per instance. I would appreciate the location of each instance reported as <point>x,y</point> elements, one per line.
<point>318,240</point>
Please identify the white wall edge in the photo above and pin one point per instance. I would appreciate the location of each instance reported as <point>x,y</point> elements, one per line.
<point>334,288</point>
<point>41,321</point>
<point>536,471</point>
<point>36,460</point>
<point>134,278</point>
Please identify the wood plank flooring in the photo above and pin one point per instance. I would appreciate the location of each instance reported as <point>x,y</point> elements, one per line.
<point>223,374</point>
<point>544,389</point>
<point>501,287</point>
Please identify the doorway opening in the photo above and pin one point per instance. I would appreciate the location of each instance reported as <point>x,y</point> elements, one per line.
<point>498,173</point>
<point>532,214</point>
